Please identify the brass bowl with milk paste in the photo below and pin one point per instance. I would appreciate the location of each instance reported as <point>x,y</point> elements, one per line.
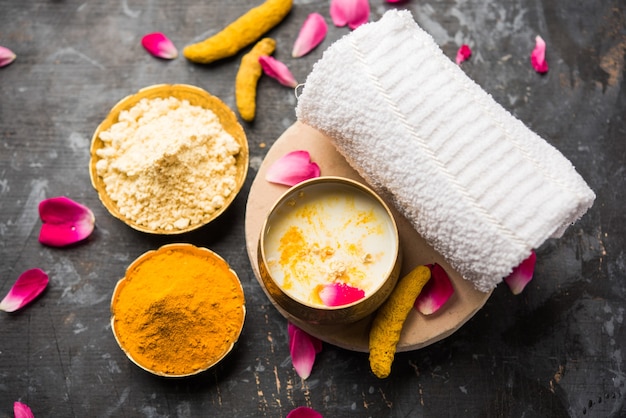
<point>314,313</point>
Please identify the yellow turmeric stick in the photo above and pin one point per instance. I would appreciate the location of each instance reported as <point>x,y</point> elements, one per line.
<point>248,76</point>
<point>242,32</point>
<point>390,317</point>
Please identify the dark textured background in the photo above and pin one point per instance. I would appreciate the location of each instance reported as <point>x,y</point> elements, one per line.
<point>557,350</point>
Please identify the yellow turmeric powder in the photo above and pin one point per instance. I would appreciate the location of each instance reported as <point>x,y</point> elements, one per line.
<point>178,310</point>
<point>242,32</point>
<point>248,76</point>
<point>390,317</point>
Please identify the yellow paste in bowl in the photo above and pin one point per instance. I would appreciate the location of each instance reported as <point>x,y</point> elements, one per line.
<point>329,234</point>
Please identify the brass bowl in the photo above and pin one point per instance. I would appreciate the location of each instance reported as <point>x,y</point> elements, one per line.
<point>128,325</point>
<point>196,96</point>
<point>317,313</point>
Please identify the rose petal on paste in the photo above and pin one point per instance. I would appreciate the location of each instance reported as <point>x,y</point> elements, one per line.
<point>337,294</point>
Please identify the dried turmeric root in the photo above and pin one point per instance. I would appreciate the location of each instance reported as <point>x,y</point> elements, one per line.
<point>248,76</point>
<point>242,32</point>
<point>388,322</point>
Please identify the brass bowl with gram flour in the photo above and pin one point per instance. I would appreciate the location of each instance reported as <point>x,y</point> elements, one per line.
<point>168,159</point>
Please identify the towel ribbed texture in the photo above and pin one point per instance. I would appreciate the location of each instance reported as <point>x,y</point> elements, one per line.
<point>479,186</point>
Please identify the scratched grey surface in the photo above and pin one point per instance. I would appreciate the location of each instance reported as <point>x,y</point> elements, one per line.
<point>555,351</point>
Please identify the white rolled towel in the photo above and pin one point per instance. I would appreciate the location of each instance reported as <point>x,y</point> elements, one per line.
<point>479,186</point>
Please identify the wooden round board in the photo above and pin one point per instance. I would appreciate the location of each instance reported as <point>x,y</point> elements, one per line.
<point>419,330</point>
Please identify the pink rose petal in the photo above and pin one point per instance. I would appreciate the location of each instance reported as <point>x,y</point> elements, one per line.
<point>353,13</point>
<point>65,222</point>
<point>312,33</point>
<point>436,292</point>
<point>159,45</point>
<point>277,70</point>
<point>303,349</point>
<point>304,412</point>
<point>6,56</point>
<point>522,274</point>
<point>463,54</point>
<point>396,1</point>
<point>538,56</point>
<point>338,294</point>
<point>26,288</point>
<point>292,168</point>
<point>21,410</point>
<point>317,343</point>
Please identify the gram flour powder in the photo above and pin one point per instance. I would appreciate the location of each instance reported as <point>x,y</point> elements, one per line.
<point>167,164</point>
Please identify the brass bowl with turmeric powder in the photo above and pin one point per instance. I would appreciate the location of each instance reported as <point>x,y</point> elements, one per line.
<point>178,311</point>
<point>168,159</point>
<point>328,251</point>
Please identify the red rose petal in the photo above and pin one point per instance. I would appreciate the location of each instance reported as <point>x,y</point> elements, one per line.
<point>65,222</point>
<point>303,349</point>
<point>277,70</point>
<point>436,292</point>
<point>538,56</point>
<point>159,45</point>
<point>304,412</point>
<point>353,13</point>
<point>463,54</point>
<point>26,288</point>
<point>6,56</point>
<point>21,410</point>
<point>292,168</point>
<point>522,274</point>
<point>311,34</point>
<point>337,294</point>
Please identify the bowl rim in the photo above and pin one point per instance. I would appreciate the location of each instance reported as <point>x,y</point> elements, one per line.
<point>310,309</point>
<point>196,96</point>
<point>176,247</point>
